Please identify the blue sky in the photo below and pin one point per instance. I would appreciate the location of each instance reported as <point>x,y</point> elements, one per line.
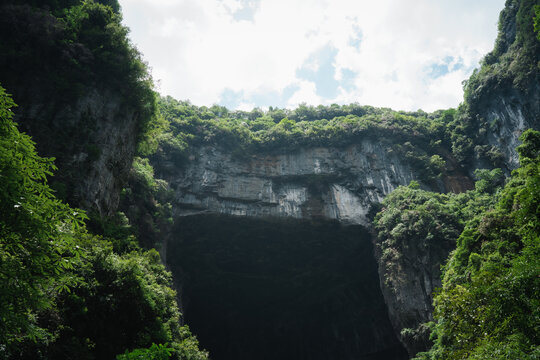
<point>406,55</point>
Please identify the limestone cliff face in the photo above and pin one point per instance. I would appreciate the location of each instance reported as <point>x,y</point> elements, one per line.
<point>93,140</point>
<point>344,185</point>
<point>509,112</point>
<point>82,95</point>
<point>407,285</point>
<point>313,183</point>
<point>504,95</point>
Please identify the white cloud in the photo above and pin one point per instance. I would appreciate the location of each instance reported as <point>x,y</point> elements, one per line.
<point>197,49</point>
<point>306,93</point>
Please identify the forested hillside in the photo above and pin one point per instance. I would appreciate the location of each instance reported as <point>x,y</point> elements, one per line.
<point>488,304</point>
<point>68,293</point>
<point>100,197</point>
<point>83,90</point>
<point>488,301</point>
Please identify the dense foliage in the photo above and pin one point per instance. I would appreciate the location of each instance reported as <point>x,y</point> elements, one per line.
<point>537,21</point>
<point>146,201</point>
<point>283,130</point>
<point>490,300</point>
<point>416,230</point>
<point>124,301</point>
<point>65,293</point>
<point>37,233</point>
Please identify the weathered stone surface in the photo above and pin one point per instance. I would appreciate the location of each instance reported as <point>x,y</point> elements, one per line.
<point>408,294</point>
<point>340,184</point>
<point>509,114</point>
<point>314,183</point>
<point>93,140</point>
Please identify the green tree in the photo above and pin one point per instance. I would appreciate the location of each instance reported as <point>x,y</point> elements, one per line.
<point>37,234</point>
<point>154,352</point>
<point>488,180</point>
<point>537,21</point>
<point>490,299</point>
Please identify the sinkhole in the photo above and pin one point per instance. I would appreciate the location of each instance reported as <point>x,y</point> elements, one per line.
<point>275,289</point>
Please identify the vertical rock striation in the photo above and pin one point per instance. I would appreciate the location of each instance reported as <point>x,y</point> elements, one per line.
<point>102,134</point>
<point>322,184</point>
<point>503,96</point>
<point>313,183</point>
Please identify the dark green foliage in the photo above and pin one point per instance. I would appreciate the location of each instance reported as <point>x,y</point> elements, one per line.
<point>65,293</point>
<point>147,203</point>
<point>81,44</point>
<point>488,180</point>
<point>116,229</point>
<point>304,126</point>
<point>37,235</point>
<point>537,21</point>
<point>155,352</point>
<point>529,150</point>
<point>124,302</point>
<point>490,300</point>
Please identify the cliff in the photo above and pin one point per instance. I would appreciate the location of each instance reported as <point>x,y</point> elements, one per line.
<point>83,94</point>
<point>315,185</point>
<point>241,187</point>
<point>320,183</point>
<point>502,97</point>
<point>347,182</point>
<point>94,163</point>
<point>502,100</point>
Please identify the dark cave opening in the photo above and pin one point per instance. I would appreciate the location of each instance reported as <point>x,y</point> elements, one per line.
<point>275,289</point>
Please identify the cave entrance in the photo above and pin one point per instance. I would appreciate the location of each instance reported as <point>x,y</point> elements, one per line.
<point>275,289</point>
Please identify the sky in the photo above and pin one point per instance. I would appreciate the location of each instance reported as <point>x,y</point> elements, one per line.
<point>405,55</point>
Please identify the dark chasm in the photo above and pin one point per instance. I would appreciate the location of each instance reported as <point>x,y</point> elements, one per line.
<point>281,289</point>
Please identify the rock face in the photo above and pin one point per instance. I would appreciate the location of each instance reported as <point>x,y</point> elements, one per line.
<point>317,185</point>
<point>506,96</point>
<point>314,183</point>
<point>508,114</point>
<point>82,95</point>
<point>407,285</point>
<point>93,141</point>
